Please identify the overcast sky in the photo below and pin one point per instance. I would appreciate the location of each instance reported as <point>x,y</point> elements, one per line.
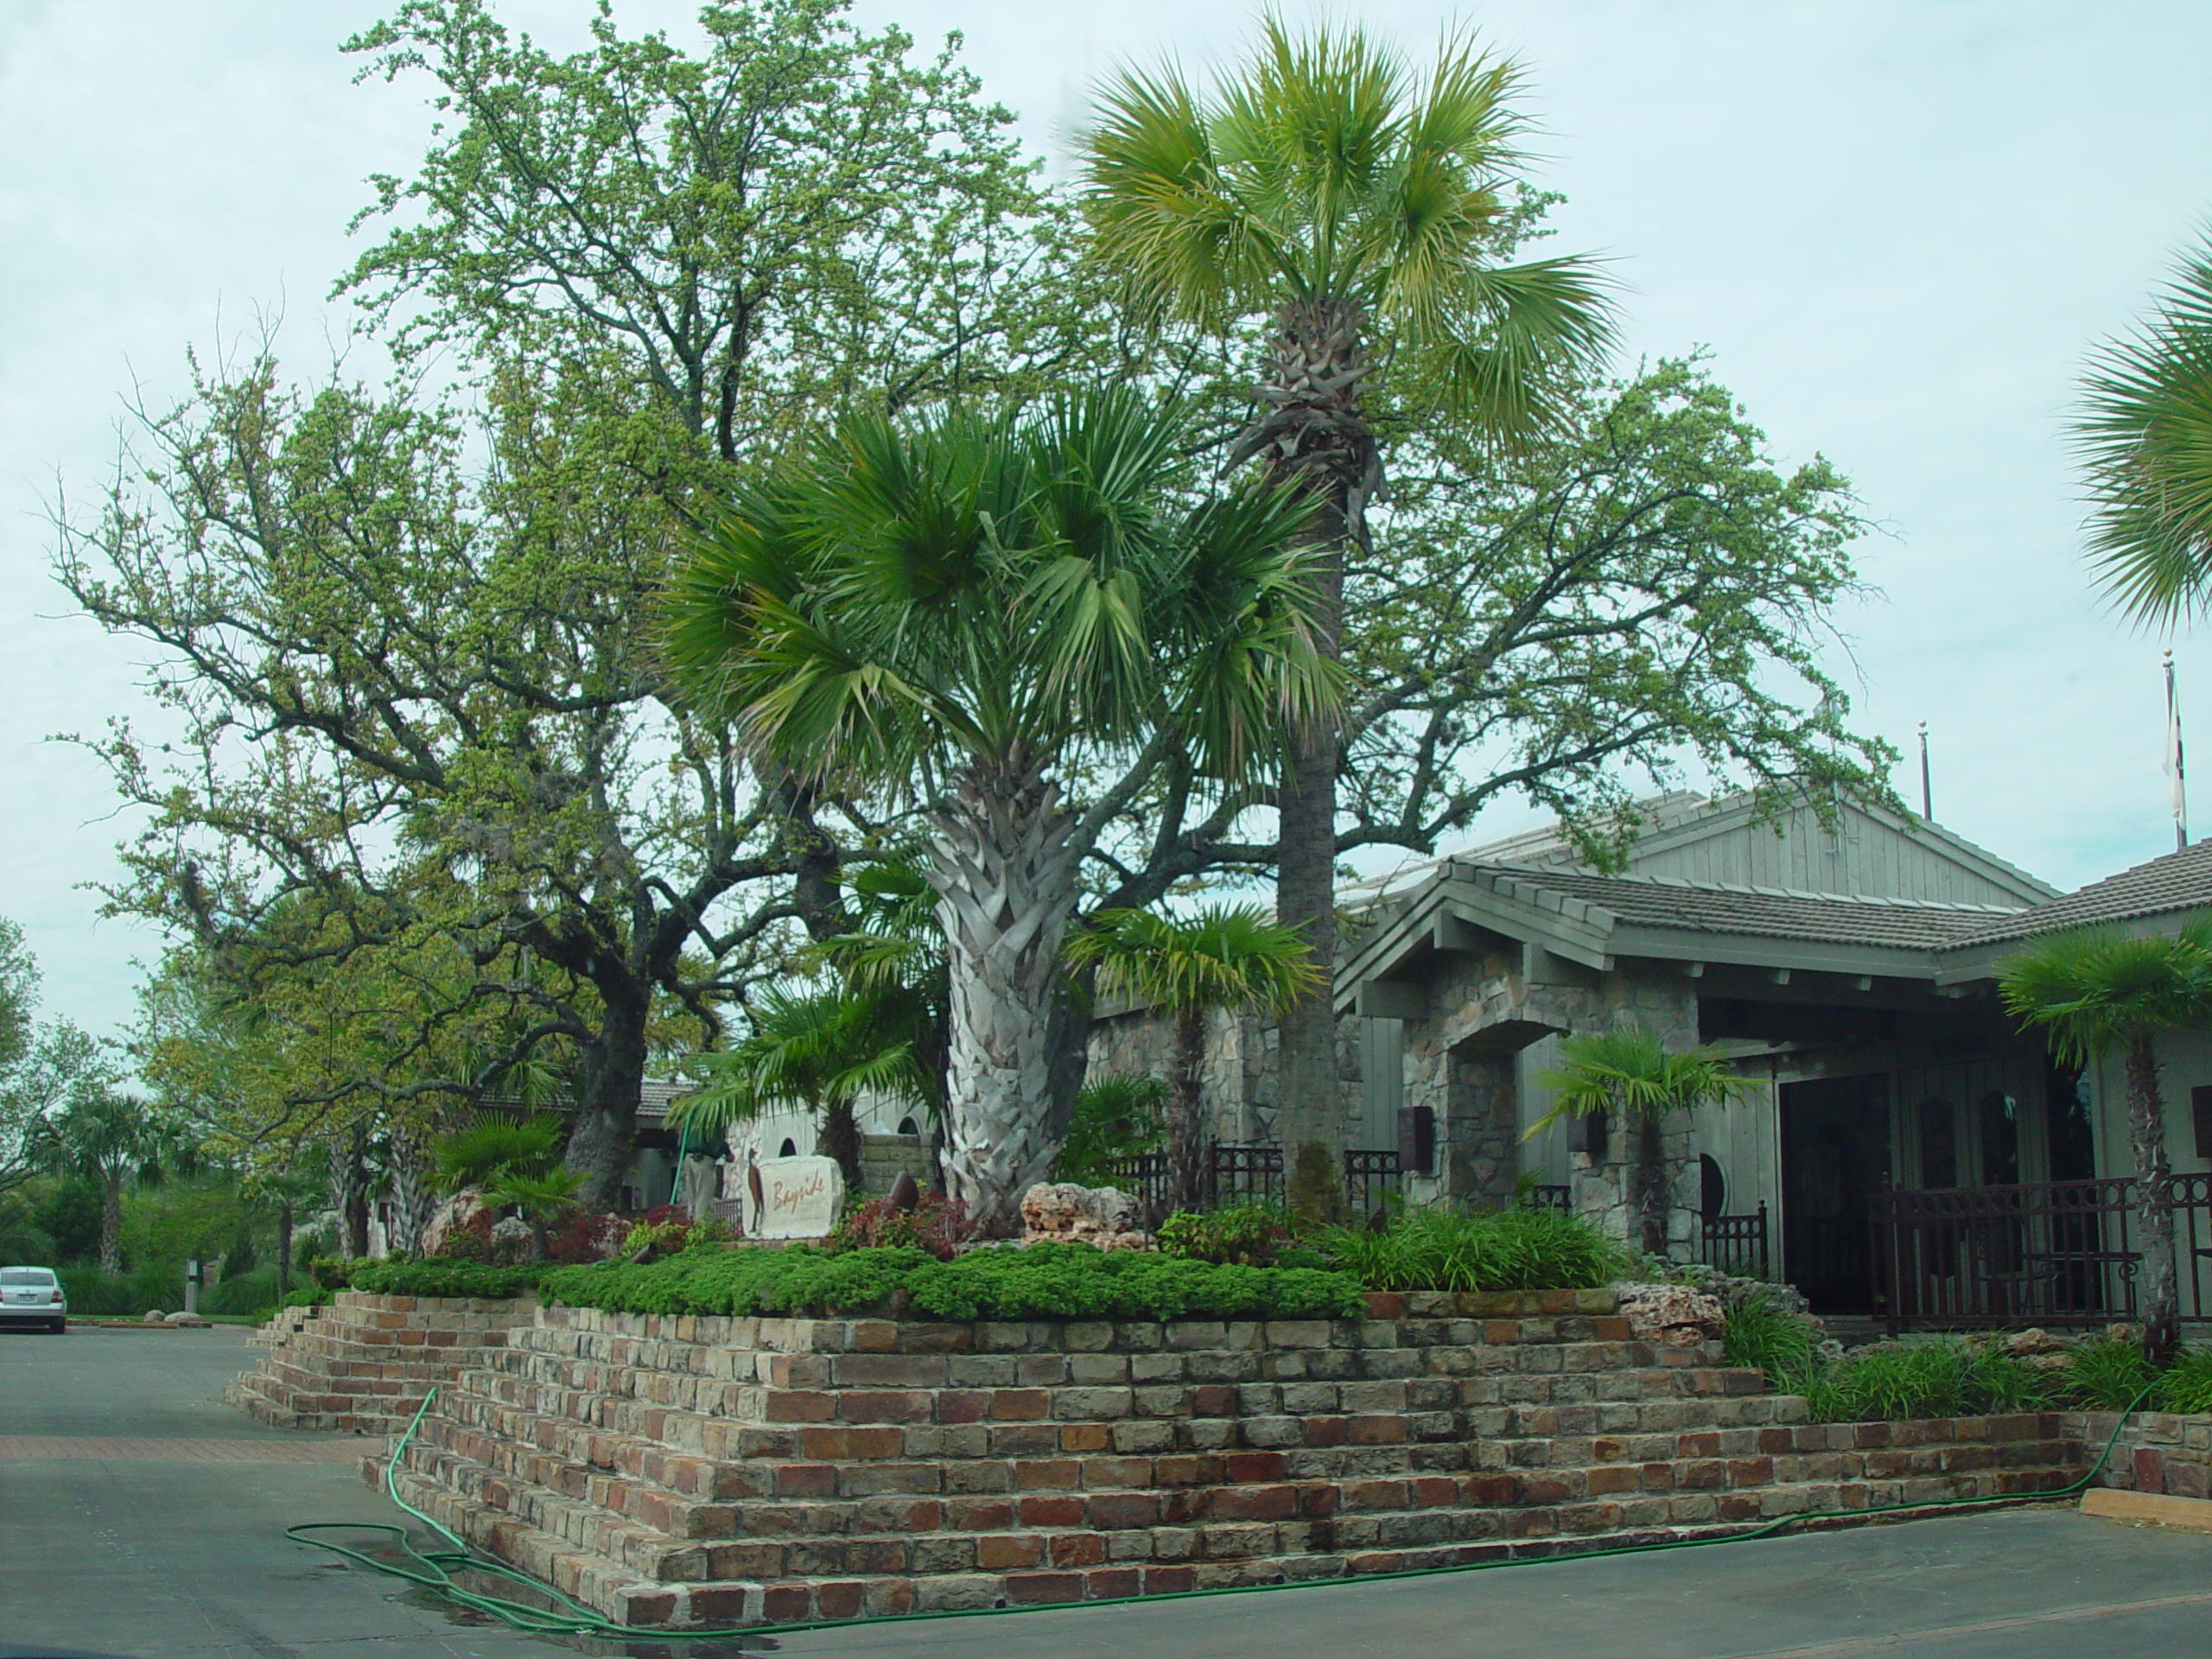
<point>1898,228</point>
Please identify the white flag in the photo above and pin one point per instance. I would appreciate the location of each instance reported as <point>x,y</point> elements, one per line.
<point>2177,790</point>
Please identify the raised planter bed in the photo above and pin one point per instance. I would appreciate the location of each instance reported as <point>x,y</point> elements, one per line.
<point>364,1362</point>
<point>674,1471</point>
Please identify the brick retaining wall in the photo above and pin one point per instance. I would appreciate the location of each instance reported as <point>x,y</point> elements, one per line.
<point>677,1471</point>
<point>363,1363</point>
<point>2157,1452</point>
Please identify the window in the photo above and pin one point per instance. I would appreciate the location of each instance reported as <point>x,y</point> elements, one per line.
<point>41,1276</point>
<point>1417,1140</point>
<point>2200,1110</point>
<point>790,1148</point>
<point>1939,1143</point>
<point>2001,1139</point>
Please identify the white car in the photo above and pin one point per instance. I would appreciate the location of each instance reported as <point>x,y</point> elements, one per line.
<point>33,1296</point>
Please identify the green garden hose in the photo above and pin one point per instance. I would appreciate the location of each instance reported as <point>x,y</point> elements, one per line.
<point>433,1570</point>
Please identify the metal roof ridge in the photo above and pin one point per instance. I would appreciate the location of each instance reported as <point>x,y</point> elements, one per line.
<point>1523,874</point>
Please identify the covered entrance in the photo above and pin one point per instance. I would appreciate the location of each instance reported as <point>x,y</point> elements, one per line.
<point>1835,1157</point>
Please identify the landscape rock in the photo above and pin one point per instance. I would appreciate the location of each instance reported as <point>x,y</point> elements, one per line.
<point>459,1210</point>
<point>182,1318</point>
<point>153,1316</point>
<point>1672,1316</point>
<point>514,1229</point>
<point>1062,1212</point>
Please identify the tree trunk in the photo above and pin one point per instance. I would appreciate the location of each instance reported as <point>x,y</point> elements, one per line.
<point>1005,879</point>
<point>1185,1126</point>
<point>1314,434</point>
<point>349,1191</point>
<point>412,1201</point>
<point>2146,1133</point>
<point>111,1224</point>
<point>283,1251</point>
<point>840,1138</point>
<point>541,1239</point>
<point>612,1071</point>
<point>1653,1200</point>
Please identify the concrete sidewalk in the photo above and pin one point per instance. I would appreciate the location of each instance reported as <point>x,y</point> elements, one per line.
<point>140,1516</point>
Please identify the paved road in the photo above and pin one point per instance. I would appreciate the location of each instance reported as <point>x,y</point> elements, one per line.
<point>159,1536</point>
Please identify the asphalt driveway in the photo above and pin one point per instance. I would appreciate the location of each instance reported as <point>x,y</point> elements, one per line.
<point>140,1516</point>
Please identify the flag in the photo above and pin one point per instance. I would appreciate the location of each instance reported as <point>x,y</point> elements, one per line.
<point>2177,787</point>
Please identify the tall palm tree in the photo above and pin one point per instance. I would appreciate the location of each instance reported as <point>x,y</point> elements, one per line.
<point>2144,435</point>
<point>976,613</point>
<point>2092,993</point>
<point>1331,187</point>
<point>1226,956</point>
<point>1630,1072</point>
<point>819,1053</point>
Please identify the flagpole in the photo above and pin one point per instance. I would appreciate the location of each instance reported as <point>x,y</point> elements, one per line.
<point>1927,793</point>
<point>2180,791</point>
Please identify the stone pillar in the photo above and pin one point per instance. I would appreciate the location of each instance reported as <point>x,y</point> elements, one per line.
<point>1476,1137</point>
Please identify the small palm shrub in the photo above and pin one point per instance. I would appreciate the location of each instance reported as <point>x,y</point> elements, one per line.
<point>1509,1249</point>
<point>2187,1384</point>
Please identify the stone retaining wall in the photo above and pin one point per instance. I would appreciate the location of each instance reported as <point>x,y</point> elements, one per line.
<point>2157,1452</point>
<point>363,1363</point>
<point>677,1471</point>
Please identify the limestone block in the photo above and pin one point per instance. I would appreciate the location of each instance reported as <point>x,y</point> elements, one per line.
<point>1063,1213</point>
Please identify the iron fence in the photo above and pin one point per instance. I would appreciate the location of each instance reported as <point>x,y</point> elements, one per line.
<point>1244,1175</point>
<point>1370,1179</point>
<point>1736,1245</point>
<point>1144,1176</point>
<point>2037,1252</point>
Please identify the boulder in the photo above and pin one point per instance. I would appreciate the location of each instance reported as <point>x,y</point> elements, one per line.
<point>153,1316</point>
<point>1061,1212</point>
<point>459,1210</point>
<point>182,1318</point>
<point>513,1230</point>
<point>1672,1316</point>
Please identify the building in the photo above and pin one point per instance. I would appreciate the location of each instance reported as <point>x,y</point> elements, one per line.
<point>1849,971</point>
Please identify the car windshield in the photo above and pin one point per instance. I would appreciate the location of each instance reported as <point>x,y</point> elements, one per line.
<point>25,1276</point>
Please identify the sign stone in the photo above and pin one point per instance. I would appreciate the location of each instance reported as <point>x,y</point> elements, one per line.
<point>797,1198</point>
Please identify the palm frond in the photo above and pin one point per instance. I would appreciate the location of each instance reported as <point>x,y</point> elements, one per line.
<point>1225,956</point>
<point>2092,990</point>
<point>1629,1070</point>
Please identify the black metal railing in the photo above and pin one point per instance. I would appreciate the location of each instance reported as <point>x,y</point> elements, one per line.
<point>1736,1245</point>
<point>1370,1179</point>
<point>1244,1175</point>
<point>2038,1253</point>
<point>1550,1195</point>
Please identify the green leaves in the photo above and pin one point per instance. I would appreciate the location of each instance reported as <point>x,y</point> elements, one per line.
<point>2145,438</point>
<point>1224,956</point>
<point>907,596</point>
<point>1328,173</point>
<point>1628,1070</point>
<point>2095,990</point>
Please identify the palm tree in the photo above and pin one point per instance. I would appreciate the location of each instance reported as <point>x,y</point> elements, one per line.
<point>2144,435</point>
<point>975,613</point>
<point>541,1199</point>
<point>1333,189</point>
<point>1226,956</point>
<point>2092,993</point>
<point>1628,1070</point>
<point>819,1053</point>
<point>88,1128</point>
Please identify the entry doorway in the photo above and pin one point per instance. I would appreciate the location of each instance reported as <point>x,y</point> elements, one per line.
<point>1835,1156</point>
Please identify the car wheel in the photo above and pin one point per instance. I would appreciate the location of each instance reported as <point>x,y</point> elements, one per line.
<point>62,1327</point>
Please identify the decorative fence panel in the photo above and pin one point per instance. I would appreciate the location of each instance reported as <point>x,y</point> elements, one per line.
<point>1245,1175</point>
<point>1369,1179</point>
<point>1736,1244</point>
<point>2040,1253</point>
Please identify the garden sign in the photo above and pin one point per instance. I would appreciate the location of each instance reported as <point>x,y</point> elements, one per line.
<point>795,1197</point>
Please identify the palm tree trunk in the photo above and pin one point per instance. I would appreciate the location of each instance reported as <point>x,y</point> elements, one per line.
<point>2146,1131</point>
<point>1653,1200</point>
<point>1005,879</point>
<point>411,1198</point>
<point>1185,1126</point>
<point>283,1251</point>
<point>1315,435</point>
<point>110,1221</point>
<point>841,1139</point>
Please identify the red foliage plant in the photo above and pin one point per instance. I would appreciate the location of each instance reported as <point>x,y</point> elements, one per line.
<point>935,1223</point>
<point>584,1236</point>
<point>469,1240</point>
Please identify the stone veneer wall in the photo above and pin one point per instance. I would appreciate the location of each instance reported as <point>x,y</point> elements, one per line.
<point>2157,1452</point>
<point>674,1471</point>
<point>363,1363</point>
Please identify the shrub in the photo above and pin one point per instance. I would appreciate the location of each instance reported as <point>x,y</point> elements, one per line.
<point>1043,1281</point>
<point>1763,1336</point>
<point>1115,1116</point>
<point>253,1291</point>
<point>92,1294</point>
<point>2187,1385</point>
<point>1508,1249</point>
<point>401,1275</point>
<point>1242,1235</point>
<point>2108,1372</point>
<point>935,1224</point>
<point>584,1236</point>
<point>469,1240</point>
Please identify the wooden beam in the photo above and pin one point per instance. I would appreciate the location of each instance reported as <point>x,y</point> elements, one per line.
<point>1391,999</point>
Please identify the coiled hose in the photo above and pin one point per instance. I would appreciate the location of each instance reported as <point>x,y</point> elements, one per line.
<point>434,1570</point>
